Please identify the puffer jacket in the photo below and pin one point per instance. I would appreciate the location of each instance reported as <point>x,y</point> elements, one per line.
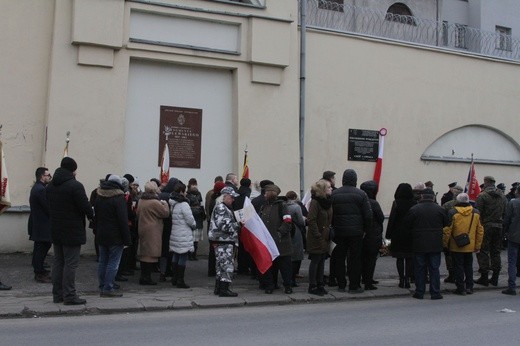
<point>183,224</point>
<point>491,203</point>
<point>460,218</point>
<point>319,220</point>
<point>68,206</point>
<point>425,221</point>
<point>512,221</point>
<point>352,214</point>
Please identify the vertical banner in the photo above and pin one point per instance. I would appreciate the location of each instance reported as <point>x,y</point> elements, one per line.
<point>181,130</point>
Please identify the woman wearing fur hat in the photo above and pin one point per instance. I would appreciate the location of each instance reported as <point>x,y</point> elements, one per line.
<point>150,214</point>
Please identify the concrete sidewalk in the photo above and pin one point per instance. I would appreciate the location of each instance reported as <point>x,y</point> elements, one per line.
<point>31,299</point>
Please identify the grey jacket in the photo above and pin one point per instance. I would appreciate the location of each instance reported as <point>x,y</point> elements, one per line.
<point>512,220</point>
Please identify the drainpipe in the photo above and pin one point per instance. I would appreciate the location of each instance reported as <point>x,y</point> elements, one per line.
<point>303,29</point>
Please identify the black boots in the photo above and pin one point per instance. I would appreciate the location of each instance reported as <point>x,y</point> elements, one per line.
<point>216,290</point>
<point>401,281</point>
<point>174,274</point>
<point>483,280</point>
<point>178,276</point>
<point>146,274</point>
<point>451,278</point>
<point>494,279</point>
<point>225,291</point>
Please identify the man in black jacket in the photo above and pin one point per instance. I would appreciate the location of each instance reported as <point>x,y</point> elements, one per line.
<point>426,221</point>
<point>39,224</point>
<point>351,219</point>
<point>68,206</point>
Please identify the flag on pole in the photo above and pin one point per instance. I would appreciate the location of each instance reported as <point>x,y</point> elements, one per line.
<point>245,170</point>
<point>256,238</point>
<point>165,164</point>
<point>5,200</point>
<point>472,187</point>
<point>66,150</point>
<point>379,162</point>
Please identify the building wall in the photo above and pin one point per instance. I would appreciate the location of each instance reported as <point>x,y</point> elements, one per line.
<point>79,54</point>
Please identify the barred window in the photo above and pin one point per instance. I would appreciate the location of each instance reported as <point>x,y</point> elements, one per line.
<point>400,13</point>
<point>444,33</point>
<point>333,5</point>
<point>503,38</point>
<point>460,36</point>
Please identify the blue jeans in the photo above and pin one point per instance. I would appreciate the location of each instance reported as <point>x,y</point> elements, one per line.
<point>109,257</point>
<point>432,261</point>
<point>512,254</point>
<point>180,258</point>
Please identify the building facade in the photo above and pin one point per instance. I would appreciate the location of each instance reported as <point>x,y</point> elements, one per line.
<point>102,69</point>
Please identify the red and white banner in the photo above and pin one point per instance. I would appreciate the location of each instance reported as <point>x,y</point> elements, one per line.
<point>165,165</point>
<point>245,171</point>
<point>5,200</point>
<point>472,187</point>
<point>379,162</point>
<point>256,238</point>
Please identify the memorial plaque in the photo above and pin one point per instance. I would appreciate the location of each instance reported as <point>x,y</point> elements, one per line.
<point>363,145</point>
<point>181,128</point>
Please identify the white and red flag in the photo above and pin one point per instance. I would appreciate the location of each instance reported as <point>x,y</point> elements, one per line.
<point>472,187</point>
<point>5,200</point>
<point>379,162</point>
<point>256,238</point>
<point>245,170</point>
<point>165,165</point>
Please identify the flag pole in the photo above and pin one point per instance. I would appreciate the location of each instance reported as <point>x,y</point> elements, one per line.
<point>245,167</point>
<point>67,140</point>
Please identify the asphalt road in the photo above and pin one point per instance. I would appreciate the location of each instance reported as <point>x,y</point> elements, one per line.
<point>470,320</point>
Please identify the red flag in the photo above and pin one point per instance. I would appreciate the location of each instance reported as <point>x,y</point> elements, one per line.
<point>256,238</point>
<point>379,162</point>
<point>245,171</point>
<point>472,187</point>
<point>165,165</point>
<point>5,200</point>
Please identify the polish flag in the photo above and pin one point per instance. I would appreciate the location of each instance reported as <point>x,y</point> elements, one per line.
<point>472,187</point>
<point>5,200</point>
<point>379,162</point>
<point>165,165</point>
<point>256,238</point>
<point>245,171</point>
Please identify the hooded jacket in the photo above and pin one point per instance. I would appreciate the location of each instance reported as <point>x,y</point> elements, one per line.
<point>351,211</point>
<point>68,206</point>
<point>374,237</point>
<point>183,224</point>
<point>111,215</point>
<point>491,203</point>
<point>460,221</point>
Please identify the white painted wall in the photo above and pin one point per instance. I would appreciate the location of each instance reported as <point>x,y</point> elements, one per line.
<point>151,85</point>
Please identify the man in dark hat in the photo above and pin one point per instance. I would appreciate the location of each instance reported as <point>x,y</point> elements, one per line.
<point>491,203</point>
<point>448,196</point>
<point>425,222</point>
<point>260,199</point>
<point>511,194</point>
<point>68,206</point>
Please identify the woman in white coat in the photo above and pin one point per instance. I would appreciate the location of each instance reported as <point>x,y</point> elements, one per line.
<point>181,238</point>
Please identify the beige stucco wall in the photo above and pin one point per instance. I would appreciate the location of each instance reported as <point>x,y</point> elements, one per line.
<point>57,73</point>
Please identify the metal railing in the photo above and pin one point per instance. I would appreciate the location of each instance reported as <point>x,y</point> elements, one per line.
<point>322,14</point>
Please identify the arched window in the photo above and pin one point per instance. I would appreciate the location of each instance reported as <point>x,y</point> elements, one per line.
<point>400,13</point>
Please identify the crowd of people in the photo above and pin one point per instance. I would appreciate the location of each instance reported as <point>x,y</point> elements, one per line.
<point>160,229</point>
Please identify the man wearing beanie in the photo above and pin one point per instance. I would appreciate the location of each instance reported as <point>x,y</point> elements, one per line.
<point>425,222</point>
<point>68,206</point>
<point>351,219</point>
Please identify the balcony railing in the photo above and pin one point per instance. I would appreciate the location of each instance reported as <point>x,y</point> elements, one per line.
<point>322,14</point>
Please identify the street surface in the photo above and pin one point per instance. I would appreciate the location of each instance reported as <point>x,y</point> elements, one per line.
<point>470,320</point>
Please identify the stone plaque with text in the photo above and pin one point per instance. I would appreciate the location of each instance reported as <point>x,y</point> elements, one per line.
<point>363,145</point>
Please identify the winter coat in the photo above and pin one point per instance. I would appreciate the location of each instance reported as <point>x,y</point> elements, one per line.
<point>272,213</point>
<point>195,201</point>
<point>425,222</point>
<point>374,236</point>
<point>167,222</point>
<point>352,215</point>
<point>460,221</point>
<point>512,221</point>
<point>401,246</point>
<point>223,227</point>
<point>68,206</point>
<point>319,220</point>
<point>183,224</point>
<point>111,216</point>
<point>295,211</point>
<point>39,226</point>
<point>150,215</point>
<point>491,203</point>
